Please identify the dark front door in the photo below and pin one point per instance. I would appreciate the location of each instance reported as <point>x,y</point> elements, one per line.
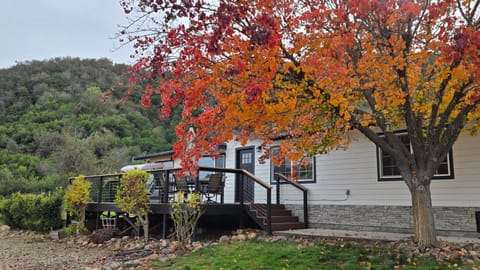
<point>245,159</point>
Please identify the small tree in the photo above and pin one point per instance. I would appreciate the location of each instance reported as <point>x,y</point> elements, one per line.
<point>76,199</point>
<point>132,197</point>
<point>185,213</point>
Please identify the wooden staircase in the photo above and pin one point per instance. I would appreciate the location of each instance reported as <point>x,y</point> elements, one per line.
<point>282,219</point>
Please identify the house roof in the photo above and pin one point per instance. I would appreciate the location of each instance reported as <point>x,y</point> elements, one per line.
<point>167,153</point>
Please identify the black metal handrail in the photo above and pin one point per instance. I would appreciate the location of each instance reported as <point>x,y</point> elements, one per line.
<point>254,178</point>
<point>280,177</point>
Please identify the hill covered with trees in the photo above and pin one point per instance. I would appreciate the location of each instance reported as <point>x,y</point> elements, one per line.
<point>53,125</point>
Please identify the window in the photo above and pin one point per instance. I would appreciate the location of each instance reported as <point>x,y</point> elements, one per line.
<point>217,162</point>
<point>388,171</point>
<point>304,172</point>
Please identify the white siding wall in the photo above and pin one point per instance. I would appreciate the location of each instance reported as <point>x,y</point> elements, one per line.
<point>355,169</point>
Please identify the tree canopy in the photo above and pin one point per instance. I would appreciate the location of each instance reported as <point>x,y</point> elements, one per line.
<point>312,71</point>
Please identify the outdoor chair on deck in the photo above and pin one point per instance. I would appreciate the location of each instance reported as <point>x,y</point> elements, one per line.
<point>182,185</point>
<point>155,187</point>
<point>158,188</point>
<point>214,187</point>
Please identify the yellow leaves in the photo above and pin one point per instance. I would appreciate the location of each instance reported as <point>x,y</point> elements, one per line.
<point>77,196</point>
<point>132,194</point>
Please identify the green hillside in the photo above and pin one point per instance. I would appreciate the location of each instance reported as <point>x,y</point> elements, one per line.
<point>52,124</point>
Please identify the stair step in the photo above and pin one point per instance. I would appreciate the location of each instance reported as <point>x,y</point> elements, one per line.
<point>264,206</point>
<point>287,226</point>
<point>275,212</point>
<point>274,206</point>
<point>280,219</point>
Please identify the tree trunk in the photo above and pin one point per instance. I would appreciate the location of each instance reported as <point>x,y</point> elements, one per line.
<point>425,232</point>
<point>144,222</point>
<point>145,229</point>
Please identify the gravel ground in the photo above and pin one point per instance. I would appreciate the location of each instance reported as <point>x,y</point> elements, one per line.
<point>24,250</point>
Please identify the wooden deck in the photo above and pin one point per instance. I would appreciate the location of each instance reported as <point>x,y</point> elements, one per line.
<point>164,208</point>
<point>163,184</point>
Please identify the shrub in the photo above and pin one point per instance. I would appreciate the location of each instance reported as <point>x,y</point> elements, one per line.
<point>35,212</point>
<point>102,235</point>
<point>185,213</point>
<point>132,197</point>
<point>75,229</point>
<point>76,198</point>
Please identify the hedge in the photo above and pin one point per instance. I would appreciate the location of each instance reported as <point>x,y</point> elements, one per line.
<point>34,212</point>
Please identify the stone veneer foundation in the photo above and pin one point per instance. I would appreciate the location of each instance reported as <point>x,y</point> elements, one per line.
<point>449,221</point>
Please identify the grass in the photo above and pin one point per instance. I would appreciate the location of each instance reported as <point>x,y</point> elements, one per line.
<point>290,255</point>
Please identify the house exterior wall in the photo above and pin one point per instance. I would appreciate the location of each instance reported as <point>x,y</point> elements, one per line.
<point>374,204</point>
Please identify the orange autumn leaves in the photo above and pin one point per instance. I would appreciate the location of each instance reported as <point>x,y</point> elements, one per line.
<point>309,70</point>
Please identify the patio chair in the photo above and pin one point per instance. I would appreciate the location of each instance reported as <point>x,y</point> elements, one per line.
<point>182,184</point>
<point>214,187</point>
<point>159,188</point>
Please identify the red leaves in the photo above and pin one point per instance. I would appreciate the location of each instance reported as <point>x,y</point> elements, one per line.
<point>234,66</point>
<point>264,32</point>
<point>147,96</point>
<point>253,92</point>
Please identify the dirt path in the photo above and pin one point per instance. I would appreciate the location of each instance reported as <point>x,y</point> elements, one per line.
<point>23,250</point>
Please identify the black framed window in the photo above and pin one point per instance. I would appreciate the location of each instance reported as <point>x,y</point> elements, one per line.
<point>303,171</point>
<point>209,161</point>
<point>388,170</point>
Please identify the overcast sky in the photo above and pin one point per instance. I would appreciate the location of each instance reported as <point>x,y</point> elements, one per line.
<point>44,29</point>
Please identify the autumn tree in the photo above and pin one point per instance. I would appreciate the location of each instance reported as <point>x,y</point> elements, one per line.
<point>314,71</point>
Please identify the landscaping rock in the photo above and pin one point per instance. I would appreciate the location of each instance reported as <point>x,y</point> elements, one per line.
<point>163,259</point>
<point>4,228</point>
<point>277,238</point>
<point>262,238</point>
<point>252,235</point>
<point>164,243</point>
<point>241,237</point>
<point>224,239</point>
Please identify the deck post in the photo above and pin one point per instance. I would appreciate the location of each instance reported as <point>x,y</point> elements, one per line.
<point>99,199</point>
<point>165,226</point>
<point>241,199</point>
<point>241,188</point>
<point>305,208</point>
<point>167,187</point>
<point>278,188</point>
<point>269,211</point>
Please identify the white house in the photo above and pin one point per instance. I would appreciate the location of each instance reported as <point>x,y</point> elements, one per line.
<point>360,189</point>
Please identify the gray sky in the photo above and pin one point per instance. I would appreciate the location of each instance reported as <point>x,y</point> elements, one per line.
<point>44,29</point>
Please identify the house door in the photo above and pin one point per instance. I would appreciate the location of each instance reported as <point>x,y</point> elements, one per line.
<point>245,159</point>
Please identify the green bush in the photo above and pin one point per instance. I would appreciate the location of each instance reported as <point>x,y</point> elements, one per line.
<point>185,213</point>
<point>74,229</point>
<point>35,212</point>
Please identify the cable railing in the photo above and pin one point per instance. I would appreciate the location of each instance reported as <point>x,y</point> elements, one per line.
<point>279,178</point>
<point>165,183</point>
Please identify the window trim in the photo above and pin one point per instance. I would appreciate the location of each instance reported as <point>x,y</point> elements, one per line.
<point>306,181</point>
<point>381,178</point>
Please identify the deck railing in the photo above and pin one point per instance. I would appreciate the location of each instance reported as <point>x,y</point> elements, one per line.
<point>104,187</point>
<point>243,177</point>
<point>279,178</point>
